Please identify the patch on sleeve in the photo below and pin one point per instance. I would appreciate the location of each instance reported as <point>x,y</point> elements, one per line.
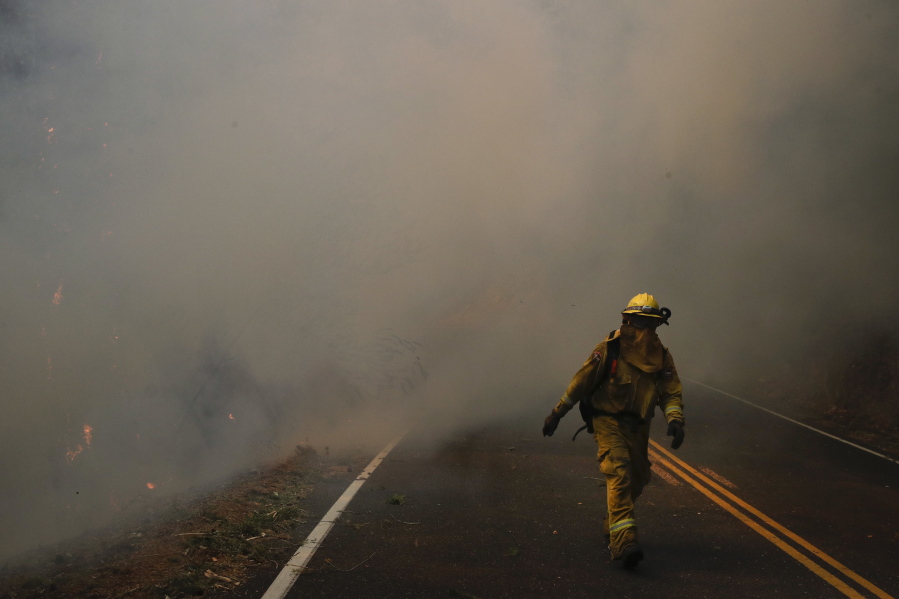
<point>597,356</point>
<point>668,374</point>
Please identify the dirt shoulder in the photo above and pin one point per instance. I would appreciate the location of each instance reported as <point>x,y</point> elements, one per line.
<point>841,425</point>
<point>207,546</point>
<point>823,411</point>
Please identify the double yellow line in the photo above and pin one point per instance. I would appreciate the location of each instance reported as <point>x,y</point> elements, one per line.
<point>731,502</point>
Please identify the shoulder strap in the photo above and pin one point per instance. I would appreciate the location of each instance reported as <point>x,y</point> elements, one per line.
<point>609,365</point>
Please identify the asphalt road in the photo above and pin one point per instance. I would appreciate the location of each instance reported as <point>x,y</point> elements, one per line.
<point>504,512</point>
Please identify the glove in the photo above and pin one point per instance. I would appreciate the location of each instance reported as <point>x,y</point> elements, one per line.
<point>676,430</point>
<point>550,424</point>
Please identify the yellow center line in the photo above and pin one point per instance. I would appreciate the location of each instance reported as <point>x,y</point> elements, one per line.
<point>783,530</point>
<point>833,580</point>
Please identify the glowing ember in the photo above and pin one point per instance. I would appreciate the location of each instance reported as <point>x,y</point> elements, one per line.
<point>57,297</point>
<point>151,486</point>
<point>73,453</point>
<point>231,416</point>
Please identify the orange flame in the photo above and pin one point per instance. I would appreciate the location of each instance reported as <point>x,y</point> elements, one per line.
<point>231,416</point>
<point>151,486</point>
<point>57,297</point>
<point>88,433</point>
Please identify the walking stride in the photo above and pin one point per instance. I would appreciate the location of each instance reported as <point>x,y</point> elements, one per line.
<point>617,389</point>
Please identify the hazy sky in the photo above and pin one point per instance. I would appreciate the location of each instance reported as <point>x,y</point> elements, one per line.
<point>229,226</point>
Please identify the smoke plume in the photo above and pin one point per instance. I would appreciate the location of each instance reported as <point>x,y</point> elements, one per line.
<point>228,227</point>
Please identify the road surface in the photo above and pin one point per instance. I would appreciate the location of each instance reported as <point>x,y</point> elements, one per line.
<point>750,506</point>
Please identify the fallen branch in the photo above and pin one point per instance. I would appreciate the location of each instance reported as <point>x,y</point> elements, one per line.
<point>330,563</point>
<point>213,575</point>
<point>402,522</point>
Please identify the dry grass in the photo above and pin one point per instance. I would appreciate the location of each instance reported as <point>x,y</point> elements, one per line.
<point>213,542</point>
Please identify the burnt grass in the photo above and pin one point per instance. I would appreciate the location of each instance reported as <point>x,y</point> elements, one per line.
<point>206,546</point>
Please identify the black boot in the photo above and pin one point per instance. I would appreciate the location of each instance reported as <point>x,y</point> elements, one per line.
<point>631,556</point>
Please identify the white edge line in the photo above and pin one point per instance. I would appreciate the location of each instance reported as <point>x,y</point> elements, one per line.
<point>297,563</point>
<point>841,440</point>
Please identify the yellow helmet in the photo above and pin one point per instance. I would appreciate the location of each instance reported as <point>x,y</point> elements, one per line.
<point>644,304</point>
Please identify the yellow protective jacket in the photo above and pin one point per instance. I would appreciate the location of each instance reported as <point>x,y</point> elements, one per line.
<point>631,390</point>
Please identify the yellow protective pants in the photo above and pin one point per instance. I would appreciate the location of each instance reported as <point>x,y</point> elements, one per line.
<point>623,459</point>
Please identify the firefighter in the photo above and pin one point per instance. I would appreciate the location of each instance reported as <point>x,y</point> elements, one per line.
<point>618,388</point>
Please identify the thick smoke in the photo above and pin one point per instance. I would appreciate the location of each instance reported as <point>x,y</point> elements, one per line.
<point>227,227</point>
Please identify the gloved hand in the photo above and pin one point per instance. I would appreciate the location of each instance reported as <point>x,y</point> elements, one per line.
<point>676,430</point>
<point>550,424</point>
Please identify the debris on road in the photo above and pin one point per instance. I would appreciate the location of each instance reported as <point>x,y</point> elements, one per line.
<point>331,563</point>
